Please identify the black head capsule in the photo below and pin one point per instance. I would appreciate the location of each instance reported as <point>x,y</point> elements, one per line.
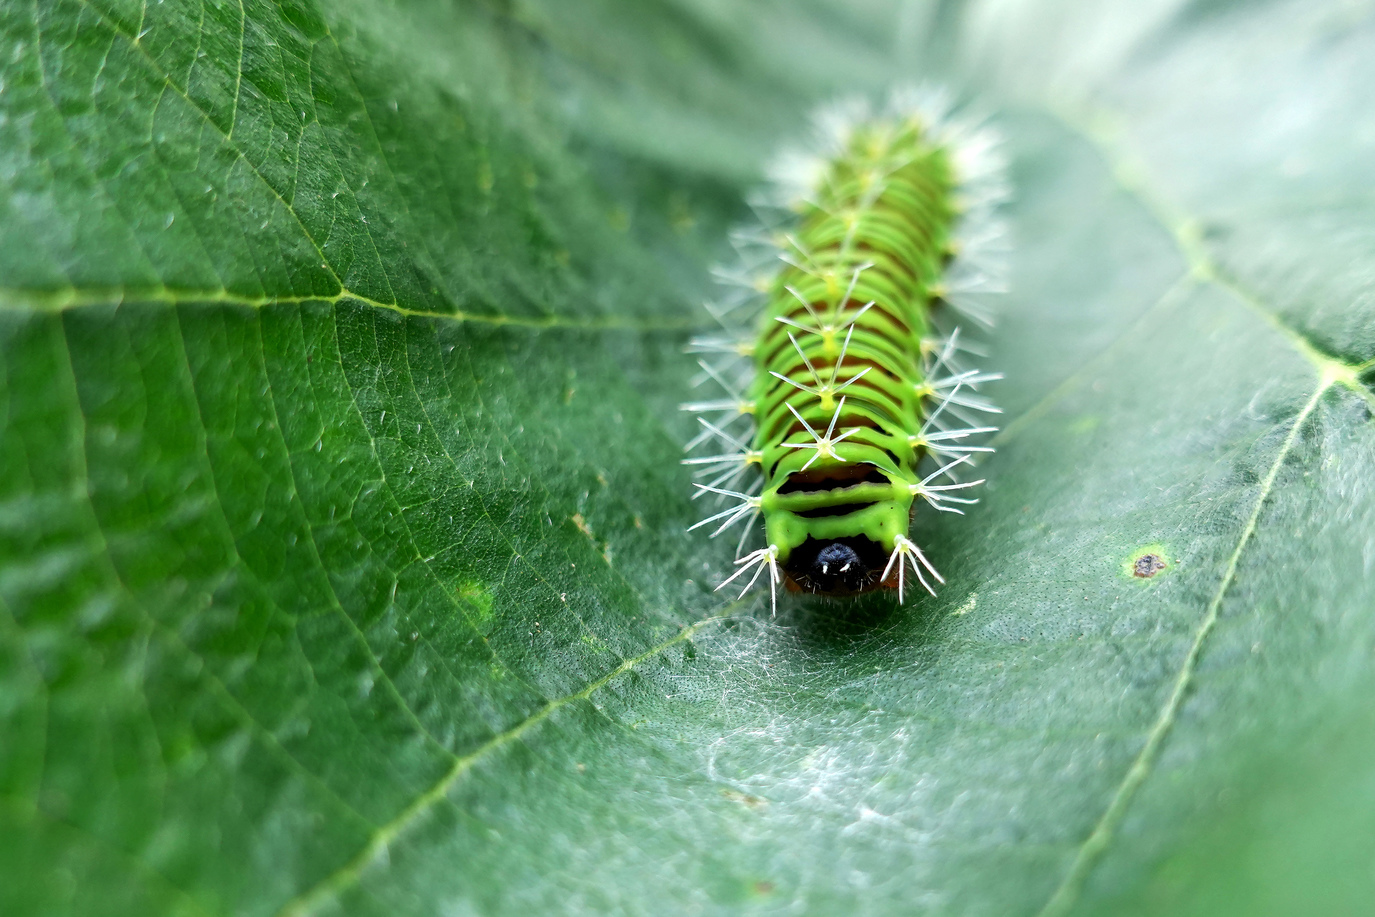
<point>836,560</point>
<point>835,567</point>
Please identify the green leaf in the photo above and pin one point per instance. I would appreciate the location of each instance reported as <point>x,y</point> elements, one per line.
<point>342,553</point>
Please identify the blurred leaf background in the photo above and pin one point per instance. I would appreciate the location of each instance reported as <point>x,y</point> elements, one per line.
<point>342,552</point>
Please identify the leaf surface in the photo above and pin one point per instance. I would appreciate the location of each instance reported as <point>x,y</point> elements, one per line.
<point>342,553</point>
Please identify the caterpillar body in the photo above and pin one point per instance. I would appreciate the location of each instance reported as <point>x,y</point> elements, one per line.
<point>847,398</point>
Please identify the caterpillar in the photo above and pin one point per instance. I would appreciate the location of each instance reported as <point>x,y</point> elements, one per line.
<point>846,399</point>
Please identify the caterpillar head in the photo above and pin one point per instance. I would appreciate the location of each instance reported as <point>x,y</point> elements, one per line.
<point>841,566</point>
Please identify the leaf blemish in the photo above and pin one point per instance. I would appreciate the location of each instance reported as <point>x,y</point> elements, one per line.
<point>1146,561</point>
<point>1147,565</point>
<point>745,799</point>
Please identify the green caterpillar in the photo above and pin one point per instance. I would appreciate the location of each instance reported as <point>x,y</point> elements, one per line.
<point>854,387</point>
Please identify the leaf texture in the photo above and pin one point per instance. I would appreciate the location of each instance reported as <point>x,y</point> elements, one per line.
<point>343,565</point>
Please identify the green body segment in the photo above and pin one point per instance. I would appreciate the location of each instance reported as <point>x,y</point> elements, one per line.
<point>877,231</point>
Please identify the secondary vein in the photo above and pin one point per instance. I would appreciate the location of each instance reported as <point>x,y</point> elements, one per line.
<point>1097,842</point>
<point>75,298</point>
<point>1100,129</point>
<point>311,900</point>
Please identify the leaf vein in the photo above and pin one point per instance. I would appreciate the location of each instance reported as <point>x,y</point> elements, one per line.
<point>418,559</point>
<point>1098,841</point>
<point>236,709</point>
<point>335,604</point>
<point>207,120</point>
<point>123,857</point>
<point>1101,129</point>
<point>73,297</point>
<point>328,889</point>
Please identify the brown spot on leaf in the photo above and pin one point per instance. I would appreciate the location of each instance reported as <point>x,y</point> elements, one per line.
<point>745,799</point>
<point>1147,565</point>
